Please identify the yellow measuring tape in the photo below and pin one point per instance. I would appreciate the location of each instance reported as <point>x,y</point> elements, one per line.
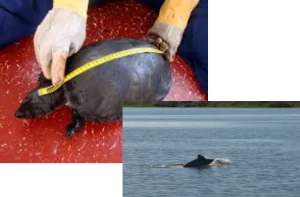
<point>95,63</point>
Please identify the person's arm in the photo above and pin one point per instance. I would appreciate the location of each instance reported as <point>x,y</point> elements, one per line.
<point>168,29</point>
<point>61,34</point>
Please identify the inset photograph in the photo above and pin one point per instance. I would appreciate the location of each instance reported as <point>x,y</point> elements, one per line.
<point>211,149</point>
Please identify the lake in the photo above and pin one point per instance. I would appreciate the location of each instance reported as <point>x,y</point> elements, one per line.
<point>262,144</point>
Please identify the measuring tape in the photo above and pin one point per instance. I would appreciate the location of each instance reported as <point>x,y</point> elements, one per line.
<point>95,63</point>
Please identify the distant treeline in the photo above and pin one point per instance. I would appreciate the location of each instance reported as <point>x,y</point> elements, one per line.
<point>258,104</point>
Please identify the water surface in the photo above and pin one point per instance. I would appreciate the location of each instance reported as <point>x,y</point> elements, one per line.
<point>263,145</point>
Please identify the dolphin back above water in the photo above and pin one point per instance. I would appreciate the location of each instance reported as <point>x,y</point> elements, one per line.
<point>201,161</point>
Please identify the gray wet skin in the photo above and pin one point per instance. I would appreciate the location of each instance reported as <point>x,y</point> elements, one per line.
<point>99,93</point>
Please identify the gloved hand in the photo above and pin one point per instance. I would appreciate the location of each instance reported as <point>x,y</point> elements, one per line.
<point>167,31</point>
<point>61,34</point>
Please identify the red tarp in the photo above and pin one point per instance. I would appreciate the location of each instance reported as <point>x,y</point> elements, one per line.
<point>44,140</point>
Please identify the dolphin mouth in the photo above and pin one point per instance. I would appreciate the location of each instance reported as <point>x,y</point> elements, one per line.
<point>19,114</point>
<point>26,114</point>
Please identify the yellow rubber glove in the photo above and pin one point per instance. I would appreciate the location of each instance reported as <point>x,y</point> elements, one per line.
<point>61,34</point>
<point>168,29</point>
<point>78,6</point>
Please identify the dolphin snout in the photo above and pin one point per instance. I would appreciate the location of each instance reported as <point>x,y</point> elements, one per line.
<point>19,114</point>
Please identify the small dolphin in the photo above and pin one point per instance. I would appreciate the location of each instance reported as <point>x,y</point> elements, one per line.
<point>198,163</point>
<point>98,94</point>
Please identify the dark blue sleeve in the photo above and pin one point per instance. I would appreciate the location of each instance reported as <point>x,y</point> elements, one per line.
<point>194,45</point>
<point>19,18</point>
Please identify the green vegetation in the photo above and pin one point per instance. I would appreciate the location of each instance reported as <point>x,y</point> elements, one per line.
<point>238,104</point>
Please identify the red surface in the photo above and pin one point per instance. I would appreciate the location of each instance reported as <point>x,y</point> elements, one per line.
<point>44,140</point>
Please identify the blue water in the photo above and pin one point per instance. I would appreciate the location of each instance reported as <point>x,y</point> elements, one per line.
<point>263,145</point>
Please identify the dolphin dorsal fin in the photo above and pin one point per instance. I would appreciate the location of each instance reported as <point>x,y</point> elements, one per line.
<point>201,157</point>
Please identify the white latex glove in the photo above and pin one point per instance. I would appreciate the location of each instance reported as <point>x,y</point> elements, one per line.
<point>61,34</point>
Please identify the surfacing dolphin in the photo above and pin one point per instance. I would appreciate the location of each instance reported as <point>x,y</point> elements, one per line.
<point>199,163</point>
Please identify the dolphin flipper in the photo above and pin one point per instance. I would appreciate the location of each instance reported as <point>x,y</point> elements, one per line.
<point>75,125</point>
